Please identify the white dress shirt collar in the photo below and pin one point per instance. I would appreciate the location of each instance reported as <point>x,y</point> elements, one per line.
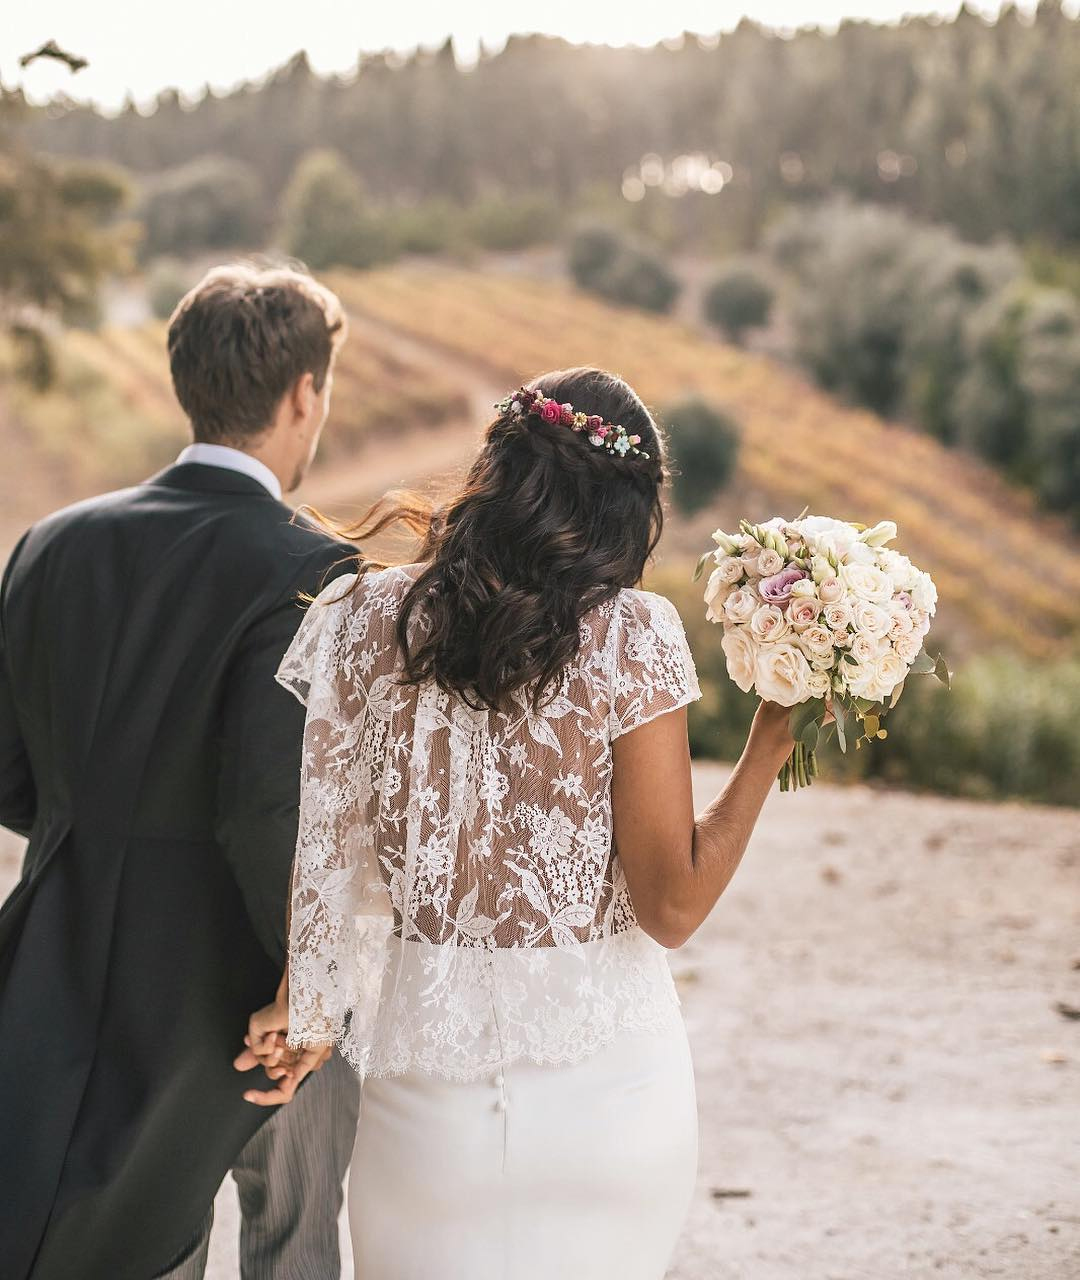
<point>220,455</point>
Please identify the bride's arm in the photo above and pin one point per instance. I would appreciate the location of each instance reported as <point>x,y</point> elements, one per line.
<point>677,865</point>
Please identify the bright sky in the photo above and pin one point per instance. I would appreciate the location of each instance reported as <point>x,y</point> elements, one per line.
<point>140,47</point>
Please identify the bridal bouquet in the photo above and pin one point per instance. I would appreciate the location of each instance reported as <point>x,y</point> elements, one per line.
<point>821,615</point>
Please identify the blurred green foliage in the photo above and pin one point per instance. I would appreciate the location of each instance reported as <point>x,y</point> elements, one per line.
<point>213,202</point>
<point>738,297</point>
<point>704,442</point>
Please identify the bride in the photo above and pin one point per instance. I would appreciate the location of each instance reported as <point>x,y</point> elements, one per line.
<point>497,843</point>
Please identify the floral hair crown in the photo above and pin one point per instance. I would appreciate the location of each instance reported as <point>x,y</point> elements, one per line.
<point>604,435</point>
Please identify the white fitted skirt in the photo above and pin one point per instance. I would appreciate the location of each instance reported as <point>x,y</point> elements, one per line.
<point>535,1173</point>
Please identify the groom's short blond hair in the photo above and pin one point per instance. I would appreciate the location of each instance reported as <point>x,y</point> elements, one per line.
<point>242,338</point>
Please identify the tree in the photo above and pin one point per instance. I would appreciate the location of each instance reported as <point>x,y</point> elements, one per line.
<point>325,221</point>
<point>738,298</point>
<point>59,237</point>
<point>705,447</point>
<point>211,203</point>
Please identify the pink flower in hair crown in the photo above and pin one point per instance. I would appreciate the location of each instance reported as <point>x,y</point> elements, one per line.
<point>609,436</point>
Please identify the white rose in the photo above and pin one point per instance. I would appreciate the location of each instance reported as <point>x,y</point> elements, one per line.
<point>818,683</point>
<point>836,616</point>
<point>861,679</point>
<point>867,582</point>
<point>741,604</point>
<point>924,593</point>
<point>803,610</point>
<point>907,647</point>
<point>768,624</point>
<point>860,553</point>
<point>824,534</point>
<point>864,648</point>
<point>730,569</point>
<point>841,638</point>
<point>804,587</point>
<point>899,568</point>
<point>872,619</point>
<point>740,653</point>
<point>782,675</point>
<point>769,562</point>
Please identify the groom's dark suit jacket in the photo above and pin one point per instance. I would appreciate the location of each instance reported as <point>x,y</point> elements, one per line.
<point>153,762</point>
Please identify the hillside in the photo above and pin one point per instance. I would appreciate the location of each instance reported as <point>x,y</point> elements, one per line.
<point>799,446</point>
<point>432,346</point>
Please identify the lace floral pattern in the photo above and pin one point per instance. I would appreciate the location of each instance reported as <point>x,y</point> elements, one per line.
<point>457,901</point>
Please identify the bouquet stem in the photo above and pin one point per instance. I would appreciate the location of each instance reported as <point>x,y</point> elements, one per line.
<point>799,770</point>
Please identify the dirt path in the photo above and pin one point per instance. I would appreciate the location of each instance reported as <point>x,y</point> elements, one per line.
<point>883,1079</point>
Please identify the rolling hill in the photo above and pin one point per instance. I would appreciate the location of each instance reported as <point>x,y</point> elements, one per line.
<point>432,346</point>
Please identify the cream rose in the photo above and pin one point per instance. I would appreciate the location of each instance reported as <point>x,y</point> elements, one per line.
<point>804,587</point>
<point>768,624</point>
<point>864,648</point>
<point>816,641</point>
<point>890,670</point>
<point>782,674</point>
<point>803,610</point>
<point>841,638</point>
<point>819,683</point>
<point>867,582</point>
<point>900,623</point>
<point>741,604</point>
<point>872,619</point>
<point>907,647</point>
<point>831,590</point>
<point>740,653</point>
<point>837,615</point>
<point>730,569</point>
<point>769,562</point>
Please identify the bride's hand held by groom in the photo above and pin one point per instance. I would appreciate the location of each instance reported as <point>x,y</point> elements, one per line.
<point>265,1045</point>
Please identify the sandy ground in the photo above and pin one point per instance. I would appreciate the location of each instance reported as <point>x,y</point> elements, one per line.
<point>886,1087</point>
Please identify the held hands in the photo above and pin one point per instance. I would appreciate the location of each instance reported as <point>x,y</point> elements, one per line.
<point>266,1047</point>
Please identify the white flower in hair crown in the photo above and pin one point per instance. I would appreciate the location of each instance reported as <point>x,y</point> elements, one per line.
<point>604,435</point>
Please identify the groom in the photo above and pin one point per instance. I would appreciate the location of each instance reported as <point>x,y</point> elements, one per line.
<point>153,763</point>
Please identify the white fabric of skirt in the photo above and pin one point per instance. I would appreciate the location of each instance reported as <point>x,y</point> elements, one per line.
<point>534,1173</point>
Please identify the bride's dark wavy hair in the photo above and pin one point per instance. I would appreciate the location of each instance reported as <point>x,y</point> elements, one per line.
<point>545,528</point>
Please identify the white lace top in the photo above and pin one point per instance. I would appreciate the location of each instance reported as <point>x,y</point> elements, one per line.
<point>457,902</point>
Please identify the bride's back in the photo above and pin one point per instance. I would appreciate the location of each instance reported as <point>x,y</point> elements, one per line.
<point>457,898</point>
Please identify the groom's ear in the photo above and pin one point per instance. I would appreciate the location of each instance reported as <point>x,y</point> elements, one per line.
<point>302,397</point>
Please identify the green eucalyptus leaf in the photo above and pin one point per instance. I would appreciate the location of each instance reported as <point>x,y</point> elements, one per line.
<point>809,735</point>
<point>923,664</point>
<point>941,670</point>
<point>806,713</point>
<point>701,565</point>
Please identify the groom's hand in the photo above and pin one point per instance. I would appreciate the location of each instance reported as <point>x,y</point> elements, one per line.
<point>266,1047</point>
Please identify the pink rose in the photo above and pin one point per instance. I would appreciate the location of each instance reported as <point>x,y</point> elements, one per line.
<point>601,431</point>
<point>777,589</point>
<point>595,422</point>
<point>550,412</point>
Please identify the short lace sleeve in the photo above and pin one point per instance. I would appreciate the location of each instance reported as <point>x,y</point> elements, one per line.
<point>340,910</point>
<point>312,646</point>
<point>652,670</point>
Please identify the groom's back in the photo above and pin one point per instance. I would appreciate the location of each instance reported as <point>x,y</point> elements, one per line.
<point>140,634</point>
<point>123,619</point>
